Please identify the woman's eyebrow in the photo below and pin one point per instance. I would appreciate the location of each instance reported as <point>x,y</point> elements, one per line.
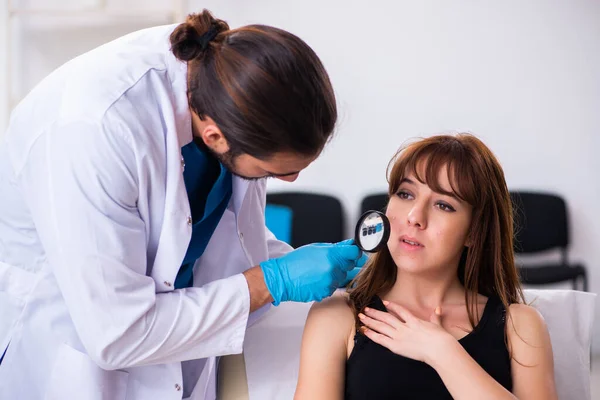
<point>449,194</point>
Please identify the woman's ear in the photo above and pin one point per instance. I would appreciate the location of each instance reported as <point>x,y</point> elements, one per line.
<point>469,241</point>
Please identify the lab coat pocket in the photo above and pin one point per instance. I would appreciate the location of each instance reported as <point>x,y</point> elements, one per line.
<point>76,376</point>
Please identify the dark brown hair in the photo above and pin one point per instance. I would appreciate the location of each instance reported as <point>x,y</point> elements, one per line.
<point>264,87</point>
<point>487,266</point>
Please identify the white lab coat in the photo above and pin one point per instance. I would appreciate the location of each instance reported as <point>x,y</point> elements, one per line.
<point>94,225</point>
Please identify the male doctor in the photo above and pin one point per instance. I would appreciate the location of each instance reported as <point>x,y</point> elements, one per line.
<point>133,244</point>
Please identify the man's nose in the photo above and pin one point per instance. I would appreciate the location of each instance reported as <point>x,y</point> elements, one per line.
<point>289,178</point>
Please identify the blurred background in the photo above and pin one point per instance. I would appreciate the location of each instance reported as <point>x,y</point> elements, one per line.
<point>524,76</point>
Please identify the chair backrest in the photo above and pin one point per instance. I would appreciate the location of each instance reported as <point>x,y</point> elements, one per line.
<point>377,202</point>
<point>540,221</point>
<point>315,217</point>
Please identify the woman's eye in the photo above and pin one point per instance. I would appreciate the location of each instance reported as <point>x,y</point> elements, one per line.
<point>445,207</point>
<point>403,195</point>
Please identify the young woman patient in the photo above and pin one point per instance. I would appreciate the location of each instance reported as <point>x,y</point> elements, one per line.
<point>438,313</point>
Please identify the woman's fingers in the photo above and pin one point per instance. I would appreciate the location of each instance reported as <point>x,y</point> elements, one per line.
<point>378,326</point>
<point>386,317</point>
<point>378,338</point>
<point>436,316</point>
<point>400,312</point>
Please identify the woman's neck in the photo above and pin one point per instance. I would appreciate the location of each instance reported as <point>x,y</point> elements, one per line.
<point>420,292</point>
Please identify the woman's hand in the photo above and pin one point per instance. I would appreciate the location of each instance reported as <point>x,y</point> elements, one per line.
<point>405,334</point>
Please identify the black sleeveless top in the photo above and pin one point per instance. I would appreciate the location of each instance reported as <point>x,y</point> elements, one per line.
<point>374,372</point>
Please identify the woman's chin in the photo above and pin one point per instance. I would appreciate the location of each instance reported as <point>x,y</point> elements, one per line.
<point>408,264</point>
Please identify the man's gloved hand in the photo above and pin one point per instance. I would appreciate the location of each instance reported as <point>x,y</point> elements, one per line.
<point>352,274</point>
<point>311,272</point>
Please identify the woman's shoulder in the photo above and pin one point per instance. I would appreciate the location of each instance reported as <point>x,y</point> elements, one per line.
<point>336,306</point>
<point>526,328</point>
<point>332,314</point>
<point>531,349</point>
<point>526,317</point>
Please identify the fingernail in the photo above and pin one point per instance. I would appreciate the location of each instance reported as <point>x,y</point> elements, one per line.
<point>361,316</point>
<point>385,302</point>
<point>367,309</point>
<point>438,310</point>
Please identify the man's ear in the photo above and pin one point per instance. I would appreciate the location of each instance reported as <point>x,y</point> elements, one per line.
<point>210,134</point>
<point>213,138</point>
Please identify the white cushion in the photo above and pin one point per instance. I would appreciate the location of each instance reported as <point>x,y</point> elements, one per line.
<point>569,315</point>
<point>272,346</point>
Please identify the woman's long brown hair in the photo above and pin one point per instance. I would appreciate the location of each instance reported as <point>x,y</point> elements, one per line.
<point>487,266</point>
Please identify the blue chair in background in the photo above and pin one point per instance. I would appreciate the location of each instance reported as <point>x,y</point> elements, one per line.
<point>279,221</point>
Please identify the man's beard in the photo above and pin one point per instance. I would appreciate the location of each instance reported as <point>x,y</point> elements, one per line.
<point>228,161</point>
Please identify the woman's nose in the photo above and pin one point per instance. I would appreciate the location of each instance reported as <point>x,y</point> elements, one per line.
<point>416,217</point>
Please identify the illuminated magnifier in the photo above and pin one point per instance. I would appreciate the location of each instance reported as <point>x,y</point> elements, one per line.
<point>372,231</point>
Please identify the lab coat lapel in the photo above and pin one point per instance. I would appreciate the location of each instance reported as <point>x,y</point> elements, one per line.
<point>176,228</point>
<point>239,189</point>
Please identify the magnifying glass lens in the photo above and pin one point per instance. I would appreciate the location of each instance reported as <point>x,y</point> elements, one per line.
<point>372,231</point>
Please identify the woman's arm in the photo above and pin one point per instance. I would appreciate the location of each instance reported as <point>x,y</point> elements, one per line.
<point>463,376</point>
<point>532,361</point>
<point>324,350</point>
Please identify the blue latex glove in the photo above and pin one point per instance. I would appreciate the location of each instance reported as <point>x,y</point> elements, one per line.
<point>352,274</point>
<point>311,272</point>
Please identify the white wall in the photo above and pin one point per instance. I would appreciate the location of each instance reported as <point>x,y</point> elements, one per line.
<point>521,75</point>
<point>41,41</point>
<point>3,64</point>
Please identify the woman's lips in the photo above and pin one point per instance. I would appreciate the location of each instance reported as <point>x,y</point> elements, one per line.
<point>410,243</point>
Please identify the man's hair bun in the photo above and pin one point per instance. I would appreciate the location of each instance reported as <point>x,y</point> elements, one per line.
<point>195,36</point>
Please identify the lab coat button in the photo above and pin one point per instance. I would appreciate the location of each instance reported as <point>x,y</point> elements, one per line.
<point>189,220</point>
<point>241,236</point>
<point>167,283</point>
<point>177,387</point>
<point>182,163</point>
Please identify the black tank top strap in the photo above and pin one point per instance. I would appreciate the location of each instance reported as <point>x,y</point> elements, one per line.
<point>497,313</point>
<point>377,304</point>
<point>491,324</point>
<point>359,339</point>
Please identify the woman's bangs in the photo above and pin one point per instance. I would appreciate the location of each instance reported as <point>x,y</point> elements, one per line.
<point>427,163</point>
